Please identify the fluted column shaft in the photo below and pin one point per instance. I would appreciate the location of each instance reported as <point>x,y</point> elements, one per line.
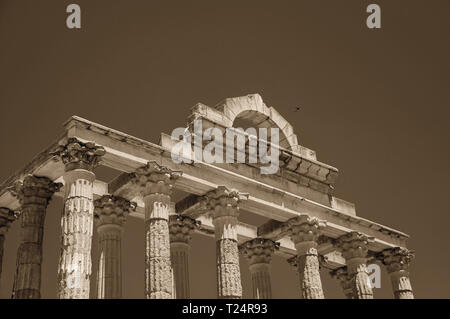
<point>7,216</point>
<point>34,195</point>
<point>74,271</point>
<point>77,227</point>
<point>259,252</point>
<point>109,280</point>
<point>397,261</point>
<point>305,231</point>
<point>229,284</point>
<point>181,228</point>
<point>109,216</point>
<point>354,247</point>
<point>223,205</point>
<point>158,264</point>
<point>261,282</point>
<point>155,183</point>
<point>179,253</point>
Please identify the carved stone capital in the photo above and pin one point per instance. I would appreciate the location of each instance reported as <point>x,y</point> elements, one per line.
<point>259,250</point>
<point>7,216</point>
<point>110,209</point>
<point>79,155</point>
<point>34,190</point>
<point>181,227</point>
<point>354,245</point>
<point>155,179</point>
<point>304,228</point>
<point>396,259</point>
<point>224,202</point>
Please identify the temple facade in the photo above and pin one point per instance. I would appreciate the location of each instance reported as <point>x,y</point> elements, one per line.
<point>306,224</point>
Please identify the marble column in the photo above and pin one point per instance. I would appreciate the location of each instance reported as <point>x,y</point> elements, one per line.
<point>397,261</point>
<point>223,204</point>
<point>155,183</point>
<point>7,216</point>
<point>342,276</point>
<point>304,232</point>
<point>354,247</point>
<point>110,215</point>
<point>180,228</point>
<point>259,252</point>
<point>34,194</point>
<point>74,271</point>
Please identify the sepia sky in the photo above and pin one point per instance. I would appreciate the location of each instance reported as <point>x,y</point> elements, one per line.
<point>374,103</point>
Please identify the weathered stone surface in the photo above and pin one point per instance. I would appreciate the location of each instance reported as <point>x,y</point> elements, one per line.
<point>259,252</point>
<point>223,204</point>
<point>228,272</point>
<point>304,232</point>
<point>78,155</point>
<point>354,247</point>
<point>34,194</point>
<point>7,216</point>
<point>180,228</point>
<point>155,183</point>
<point>397,261</point>
<point>76,236</point>
<point>109,216</point>
<point>75,263</point>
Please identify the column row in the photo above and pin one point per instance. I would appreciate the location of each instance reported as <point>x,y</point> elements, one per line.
<point>167,238</point>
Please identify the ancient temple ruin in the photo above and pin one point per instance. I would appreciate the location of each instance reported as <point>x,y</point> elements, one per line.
<point>307,224</point>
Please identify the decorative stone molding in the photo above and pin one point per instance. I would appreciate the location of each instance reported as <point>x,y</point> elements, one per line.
<point>354,248</point>
<point>304,232</point>
<point>110,209</point>
<point>397,261</point>
<point>223,204</point>
<point>79,155</point>
<point>345,281</point>
<point>34,194</point>
<point>181,228</point>
<point>34,190</point>
<point>259,252</point>
<point>155,179</point>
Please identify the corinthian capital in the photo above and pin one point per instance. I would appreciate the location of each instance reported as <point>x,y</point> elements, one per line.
<point>259,250</point>
<point>354,245</point>
<point>76,154</point>
<point>155,179</point>
<point>34,190</point>
<point>396,259</point>
<point>224,202</point>
<point>110,209</point>
<point>304,228</point>
<point>7,216</point>
<point>181,227</point>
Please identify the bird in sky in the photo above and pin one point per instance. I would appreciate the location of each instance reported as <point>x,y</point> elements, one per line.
<point>297,108</point>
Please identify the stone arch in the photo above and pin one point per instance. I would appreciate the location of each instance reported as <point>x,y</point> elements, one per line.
<point>252,108</point>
